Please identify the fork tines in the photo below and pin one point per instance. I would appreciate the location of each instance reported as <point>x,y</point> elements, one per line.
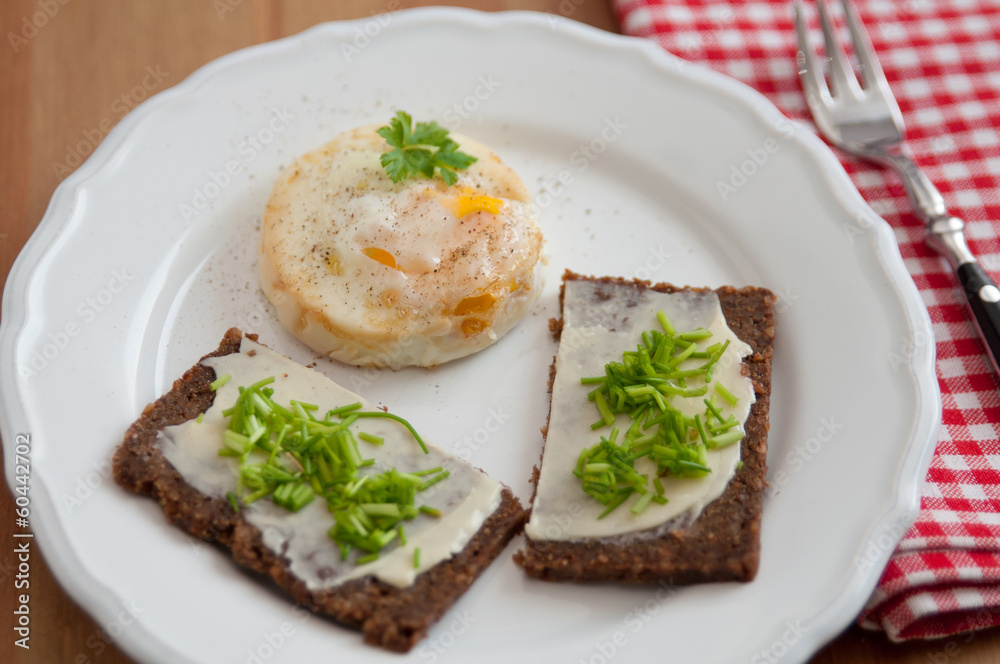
<point>843,80</point>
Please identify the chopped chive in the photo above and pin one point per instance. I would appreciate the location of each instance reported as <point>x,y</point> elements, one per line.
<point>380,509</point>
<point>428,471</point>
<point>683,355</point>
<point>219,382</point>
<point>644,385</point>
<point>200,418</point>
<point>434,480</point>
<point>399,419</point>
<point>694,466</point>
<point>714,410</point>
<point>726,394</point>
<point>700,428</point>
<point>304,453</point>
<point>602,407</point>
<point>233,501</point>
<point>371,438</point>
<point>641,504</point>
<point>344,409</point>
<point>665,324</point>
<point>725,439</point>
<point>728,424</point>
<point>416,558</point>
<point>696,335</point>
<point>235,441</point>
<point>618,500</point>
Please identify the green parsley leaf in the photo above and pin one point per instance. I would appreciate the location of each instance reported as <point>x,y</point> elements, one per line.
<point>422,150</point>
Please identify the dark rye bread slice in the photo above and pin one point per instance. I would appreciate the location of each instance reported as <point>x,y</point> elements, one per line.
<point>390,617</point>
<point>723,543</point>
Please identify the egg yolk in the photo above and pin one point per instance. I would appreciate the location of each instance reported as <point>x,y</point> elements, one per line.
<point>467,201</point>
<point>475,304</point>
<point>381,255</point>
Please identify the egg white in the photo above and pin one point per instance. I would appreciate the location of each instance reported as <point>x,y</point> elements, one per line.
<point>376,273</point>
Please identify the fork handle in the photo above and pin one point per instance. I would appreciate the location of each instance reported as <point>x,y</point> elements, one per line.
<point>983,299</point>
<point>946,234</point>
<point>925,197</point>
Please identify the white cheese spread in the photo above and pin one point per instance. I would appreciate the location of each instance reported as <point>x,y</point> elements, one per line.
<point>466,498</point>
<point>600,321</point>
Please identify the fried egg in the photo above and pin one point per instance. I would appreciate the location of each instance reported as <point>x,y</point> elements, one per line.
<point>376,273</point>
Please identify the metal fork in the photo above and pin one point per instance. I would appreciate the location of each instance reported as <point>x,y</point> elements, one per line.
<point>864,119</point>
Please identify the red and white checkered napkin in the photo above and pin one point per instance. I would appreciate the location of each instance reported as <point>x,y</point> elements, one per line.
<point>942,59</point>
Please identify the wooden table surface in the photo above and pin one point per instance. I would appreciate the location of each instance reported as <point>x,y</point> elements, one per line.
<point>71,71</point>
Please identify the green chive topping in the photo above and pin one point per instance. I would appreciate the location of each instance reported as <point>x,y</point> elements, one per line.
<point>642,386</point>
<point>371,438</point>
<point>726,394</point>
<point>296,453</point>
<point>219,382</point>
<point>416,558</point>
<point>233,502</point>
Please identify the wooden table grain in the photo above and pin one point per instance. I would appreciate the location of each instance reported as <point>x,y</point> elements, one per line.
<point>69,71</point>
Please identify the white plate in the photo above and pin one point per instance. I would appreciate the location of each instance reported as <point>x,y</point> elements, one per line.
<point>145,257</point>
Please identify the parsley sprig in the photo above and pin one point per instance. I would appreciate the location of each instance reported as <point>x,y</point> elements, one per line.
<point>422,150</point>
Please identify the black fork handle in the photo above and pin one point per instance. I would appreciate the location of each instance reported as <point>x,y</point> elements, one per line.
<point>983,299</point>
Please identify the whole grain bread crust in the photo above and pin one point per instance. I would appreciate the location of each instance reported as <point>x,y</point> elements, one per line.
<point>723,543</point>
<point>390,617</point>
